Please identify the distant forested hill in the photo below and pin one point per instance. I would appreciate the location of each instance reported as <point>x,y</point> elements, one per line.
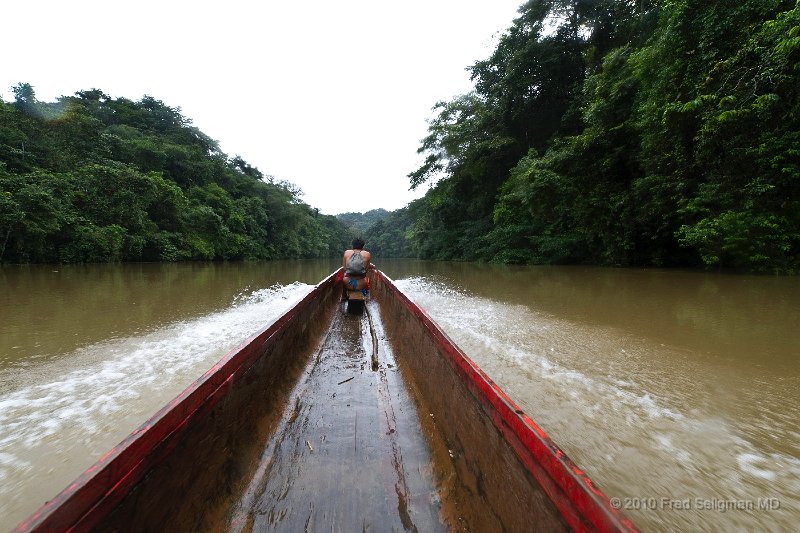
<point>89,178</point>
<point>360,222</point>
<point>621,132</point>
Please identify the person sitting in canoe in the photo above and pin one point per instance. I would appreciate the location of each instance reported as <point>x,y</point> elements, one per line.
<point>356,263</point>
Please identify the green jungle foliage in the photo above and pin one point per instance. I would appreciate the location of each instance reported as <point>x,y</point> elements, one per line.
<point>360,222</point>
<point>94,179</point>
<point>619,132</point>
<point>393,235</point>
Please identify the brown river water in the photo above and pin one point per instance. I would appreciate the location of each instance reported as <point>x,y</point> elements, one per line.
<point>677,392</point>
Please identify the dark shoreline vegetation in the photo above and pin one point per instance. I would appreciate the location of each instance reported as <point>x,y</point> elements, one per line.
<point>608,132</point>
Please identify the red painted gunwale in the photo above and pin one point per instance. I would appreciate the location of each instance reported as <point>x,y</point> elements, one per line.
<point>573,490</point>
<point>101,487</point>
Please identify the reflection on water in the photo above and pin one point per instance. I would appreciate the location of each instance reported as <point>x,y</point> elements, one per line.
<point>664,385</point>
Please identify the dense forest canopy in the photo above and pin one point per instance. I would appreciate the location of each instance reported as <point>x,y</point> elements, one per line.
<point>360,222</point>
<point>619,132</point>
<point>615,132</point>
<point>90,178</point>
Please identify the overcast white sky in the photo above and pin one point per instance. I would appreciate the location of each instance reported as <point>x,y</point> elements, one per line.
<point>332,96</point>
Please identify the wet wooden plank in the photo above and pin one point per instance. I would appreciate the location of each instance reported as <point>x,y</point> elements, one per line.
<point>352,455</point>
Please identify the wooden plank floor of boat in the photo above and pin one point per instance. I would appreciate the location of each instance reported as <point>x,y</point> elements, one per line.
<point>352,453</point>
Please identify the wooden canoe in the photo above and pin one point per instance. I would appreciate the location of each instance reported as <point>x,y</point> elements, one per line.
<point>294,431</point>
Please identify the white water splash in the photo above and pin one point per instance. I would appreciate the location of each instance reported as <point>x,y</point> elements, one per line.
<point>638,416</point>
<point>531,341</point>
<point>71,411</point>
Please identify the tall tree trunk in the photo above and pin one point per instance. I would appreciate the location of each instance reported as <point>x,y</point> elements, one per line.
<point>3,249</point>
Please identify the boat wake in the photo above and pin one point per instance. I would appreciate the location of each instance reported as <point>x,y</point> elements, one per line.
<point>640,417</point>
<point>60,417</point>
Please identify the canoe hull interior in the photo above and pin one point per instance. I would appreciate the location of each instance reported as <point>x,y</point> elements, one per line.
<point>295,430</point>
<point>488,489</point>
<point>201,479</point>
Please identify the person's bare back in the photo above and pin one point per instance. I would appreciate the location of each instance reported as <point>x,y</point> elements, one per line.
<point>358,247</point>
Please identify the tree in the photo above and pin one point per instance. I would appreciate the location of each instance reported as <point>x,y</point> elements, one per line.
<point>90,178</point>
<point>624,133</point>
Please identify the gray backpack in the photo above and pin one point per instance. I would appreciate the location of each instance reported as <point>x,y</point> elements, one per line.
<point>355,265</point>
